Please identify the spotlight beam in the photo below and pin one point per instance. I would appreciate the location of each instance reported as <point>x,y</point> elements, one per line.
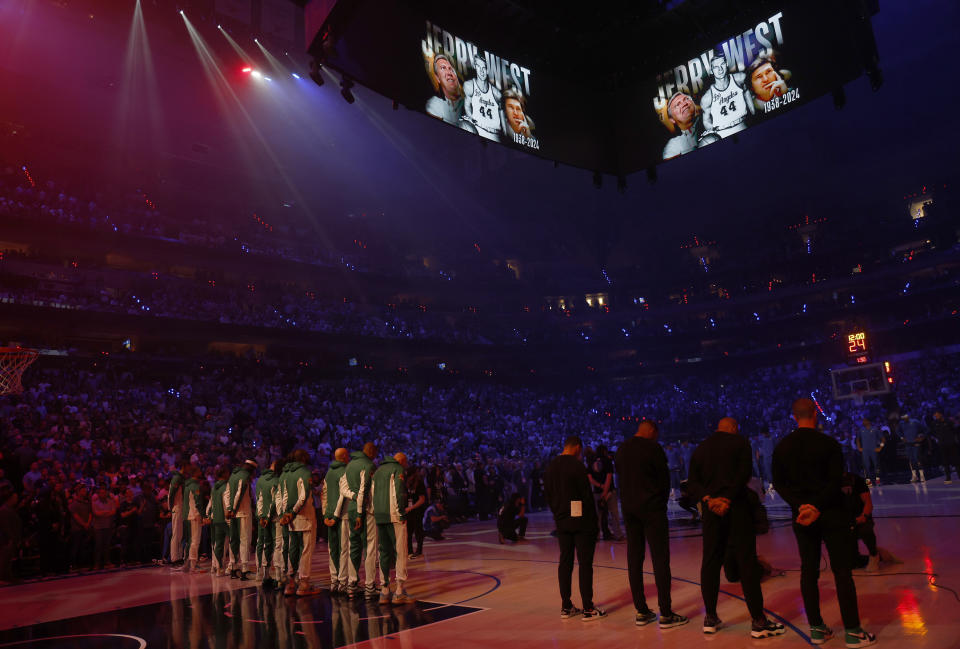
<point>236,47</point>
<point>272,60</point>
<point>139,91</point>
<point>224,92</point>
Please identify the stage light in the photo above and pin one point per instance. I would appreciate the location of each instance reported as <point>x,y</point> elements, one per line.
<point>219,27</point>
<point>256,74</point>
<point>267,79</point>
<point>294,75</point>
<point>247,70</point>
<point>345,86</point>
<point>315,72</point>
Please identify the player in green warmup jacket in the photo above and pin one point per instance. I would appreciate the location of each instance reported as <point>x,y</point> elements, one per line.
<point>338,533</point>
<point>266,519</point>
<point>389,495</point>
<point>216,518</point>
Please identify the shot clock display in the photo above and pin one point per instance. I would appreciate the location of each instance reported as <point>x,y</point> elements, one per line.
<point>858,350</point>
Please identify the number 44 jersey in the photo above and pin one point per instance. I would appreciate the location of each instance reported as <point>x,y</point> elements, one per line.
<point>484,110</point>
<point>728,110</point>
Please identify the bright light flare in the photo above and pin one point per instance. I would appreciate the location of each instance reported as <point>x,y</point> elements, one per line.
<point>294,75</point>
<point>247,70</point>
<point>256,74</point>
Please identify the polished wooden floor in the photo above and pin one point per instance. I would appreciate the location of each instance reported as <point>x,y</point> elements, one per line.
<point>507,596</point>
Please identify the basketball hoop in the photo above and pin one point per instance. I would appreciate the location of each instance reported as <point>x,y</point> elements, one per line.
<point>13,361</point>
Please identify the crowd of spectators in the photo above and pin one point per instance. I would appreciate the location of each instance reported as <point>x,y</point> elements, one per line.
<point>87,451</point>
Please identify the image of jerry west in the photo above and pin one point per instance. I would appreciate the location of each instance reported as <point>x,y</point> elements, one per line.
<point>726,102</point>
<point>483,101</point>
<point>683,114</point>
<point>448,106</point>
<point>515,110</point>
<point>766,79</point>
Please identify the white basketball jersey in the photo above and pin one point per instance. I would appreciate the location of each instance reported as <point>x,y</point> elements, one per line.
<point>728,109</point>
<point>484,110</point>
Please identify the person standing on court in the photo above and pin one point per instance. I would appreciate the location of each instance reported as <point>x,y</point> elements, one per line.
<point>389,494</point>
<point>720,469</point>
<point>808,474</point>
<point>570,496</point>
<point>216,518</point>
<point>355,486</point>
<point>869,442</point>
<point>299,514</point>
<point>338,534</point>
<point>240,515</point>
<point>266,518</point>
<point>175,501</point>
<point>644,475</point>
<point>193,507</point>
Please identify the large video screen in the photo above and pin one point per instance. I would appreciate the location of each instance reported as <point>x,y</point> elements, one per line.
<point>476,90</point>
<point>742,80</point>
<point>504,86</point>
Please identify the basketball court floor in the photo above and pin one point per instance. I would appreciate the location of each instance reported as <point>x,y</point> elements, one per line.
<point>474,592</point>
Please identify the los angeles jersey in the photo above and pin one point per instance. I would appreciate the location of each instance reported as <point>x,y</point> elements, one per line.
<point>728,109</point>
<point>484,109</point>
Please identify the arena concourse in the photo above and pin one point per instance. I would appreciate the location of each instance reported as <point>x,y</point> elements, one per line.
<point>287,362</point>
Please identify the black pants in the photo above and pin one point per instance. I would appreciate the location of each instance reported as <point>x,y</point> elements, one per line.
<point>415,531</point>
<point>832,529</point>
<point>649,529</point>
<point>584,543</point>
<point>514,528</point>
<point>732,533</point>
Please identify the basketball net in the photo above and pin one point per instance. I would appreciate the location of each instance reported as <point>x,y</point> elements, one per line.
<point>13,361</point>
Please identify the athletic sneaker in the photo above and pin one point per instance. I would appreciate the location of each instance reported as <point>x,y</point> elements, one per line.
<point>859,638</point>
<point>384,595</point>
<point>712,624</point>
<point>370,593</point>
<point>402,597</point>
<point>766,629</point>
<point>305,589</point>
<point>593,614</point>
<point>820,634</point>
<point>290,589</point>
<point>566,613</point>
<point>646,617</point>
<point>671,620</point>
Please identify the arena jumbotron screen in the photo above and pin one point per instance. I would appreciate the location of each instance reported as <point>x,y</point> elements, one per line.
<point>722,91</point>
<point>476,90</point>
